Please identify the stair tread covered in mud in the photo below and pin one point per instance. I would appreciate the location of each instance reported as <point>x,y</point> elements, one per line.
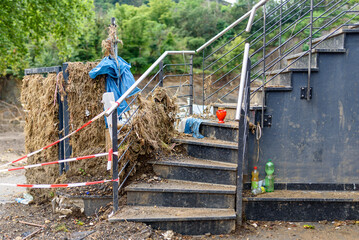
<point>181,186</point>
<point>187,161</point>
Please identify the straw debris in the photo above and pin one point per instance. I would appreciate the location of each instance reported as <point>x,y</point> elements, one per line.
<point>150,130</point>
<point>84,96</point>
<point>41,128</point>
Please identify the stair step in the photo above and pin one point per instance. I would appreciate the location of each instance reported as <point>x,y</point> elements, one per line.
<point>284,205</point>
<point>281,71</point>
<point>281,80</point>
<point>227,131</point>
<point>188,221</point>
<point>322,50</point>
<point>332,41</point>
<point>197,170</point>
<point>205,148</point>
<point>176,193</point>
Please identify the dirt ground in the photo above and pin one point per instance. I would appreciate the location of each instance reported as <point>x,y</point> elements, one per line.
<point>14,217</point>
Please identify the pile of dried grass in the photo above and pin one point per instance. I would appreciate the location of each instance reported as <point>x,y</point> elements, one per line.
<point>84,97</point>
<point>152,125</point>
<point>152,128</point>
<point>41,128</point>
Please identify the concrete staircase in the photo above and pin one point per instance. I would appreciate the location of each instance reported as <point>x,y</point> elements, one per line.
<point>197,193</point>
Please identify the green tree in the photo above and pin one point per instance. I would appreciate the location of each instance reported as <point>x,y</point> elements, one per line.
<point>25,24</point>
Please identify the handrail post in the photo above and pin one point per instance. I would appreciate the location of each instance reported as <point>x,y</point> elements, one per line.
<point>66,121</point>
<point>203,94</point>
<point>191,86</point>
<point>242,82</point>
<point>310,49</point>
<point>264,63</point>
<point>61,128</point>
<point>242,146</point>
<point>114,144</point>
<point>280,33</point>
<point>160,74</point>
<point>114,161</point>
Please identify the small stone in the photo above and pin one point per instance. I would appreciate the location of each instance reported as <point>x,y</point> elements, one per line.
<point>91,223</point>
<point>47,221</point>
<point>168,235</point>
<point>207,234</point>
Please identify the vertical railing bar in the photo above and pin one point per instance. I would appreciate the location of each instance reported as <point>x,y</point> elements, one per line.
<point>66,119</point>
<point>310,50</point>
<point>191,86</point>
<point>114,162</point>
<point>242,82</point>
<point>160,75</point>
<point>264,63</point>
<point>242,149</point>
<point>280,32</point>
<point>114,138</point>
<point>61,128</point>
<point>203,95</point>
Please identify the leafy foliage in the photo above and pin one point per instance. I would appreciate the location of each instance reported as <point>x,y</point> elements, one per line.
<point>26,26</point>
<point>46,33</point>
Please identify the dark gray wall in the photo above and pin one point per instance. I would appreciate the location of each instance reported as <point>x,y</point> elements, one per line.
<point>315,141</point>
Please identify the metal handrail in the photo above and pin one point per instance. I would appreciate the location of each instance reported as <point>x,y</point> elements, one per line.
<point>250,13</point>
<point>143,76</point>
<point>248,29</point>
<point>243,78</point>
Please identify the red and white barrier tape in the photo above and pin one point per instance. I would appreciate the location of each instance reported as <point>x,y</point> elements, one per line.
<point>54,143</point>
<point>109,159</point>
<point>65,185</point>
<point>60,161</point>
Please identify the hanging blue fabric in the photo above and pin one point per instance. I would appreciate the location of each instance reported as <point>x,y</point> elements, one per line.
<point>117,81</point>
<point>192,126</point>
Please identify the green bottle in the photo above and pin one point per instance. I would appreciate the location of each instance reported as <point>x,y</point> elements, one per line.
<point>269,179</point>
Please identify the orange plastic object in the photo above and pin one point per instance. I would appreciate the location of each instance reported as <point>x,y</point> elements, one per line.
<point>221,115</point>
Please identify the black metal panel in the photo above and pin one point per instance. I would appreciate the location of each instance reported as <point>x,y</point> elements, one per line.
<point>315,141</point>
<point>299,210</point>
<point>312,186</point>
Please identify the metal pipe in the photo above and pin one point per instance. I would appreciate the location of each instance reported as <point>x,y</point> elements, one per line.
<point>243,80</point>
<point>280,32</point>
<point>310,49</point>
<point>191,86</point>
<point>264,63</point>
<point>149,70</point>
<point>240,33</point>
<point>160,75</point>
<point>253,12</point>
<point>114,162</point>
